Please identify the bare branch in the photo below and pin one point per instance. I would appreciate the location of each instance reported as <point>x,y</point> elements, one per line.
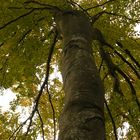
<point>111,68</point>
<point>46,79</point>
<point>129,54</point>
<point>46,7</point>
<point>45,83</point>
<point>42,124</point>
<point>124,60</point>
<point>129,64</point>
<point>112,120</point>
<point>37,99</point>
<point>133,91</point>
<point>123,16</point>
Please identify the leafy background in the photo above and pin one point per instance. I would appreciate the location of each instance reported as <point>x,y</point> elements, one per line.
<point>27,35</point>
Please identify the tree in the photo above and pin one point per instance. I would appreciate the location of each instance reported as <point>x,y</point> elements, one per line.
<point>100,46</point>
<point>83,113</point>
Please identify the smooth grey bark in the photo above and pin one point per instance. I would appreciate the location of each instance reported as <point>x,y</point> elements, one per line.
<point>83,114</point>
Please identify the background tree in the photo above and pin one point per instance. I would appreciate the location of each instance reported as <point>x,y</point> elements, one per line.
<point>30,51</point>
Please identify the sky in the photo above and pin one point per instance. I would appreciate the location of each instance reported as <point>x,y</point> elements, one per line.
<point>6,96</point>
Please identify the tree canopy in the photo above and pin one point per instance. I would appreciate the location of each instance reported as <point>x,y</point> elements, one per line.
<point>30,64</point>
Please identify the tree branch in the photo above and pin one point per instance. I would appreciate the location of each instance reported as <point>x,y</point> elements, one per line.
<point>18,129</point>
<point>99,5</point>
<point>47,6</point>
<point>111,68</point>
<point>112,120</point>
<point>37,99</point>
<point>133,91</point>
<point>46,79</point>
<point>129,64</point>
<point>17,18</point>
<point>124,60</point>
<point>95,17</point>
<point>101,65</point>
<point>45,83</point>
<point>118,15</point>
<point>42,124</point>
<point>24,35</point>
<point>129,54</point>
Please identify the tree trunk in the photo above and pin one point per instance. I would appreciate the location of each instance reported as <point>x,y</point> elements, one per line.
<point>83,114</point>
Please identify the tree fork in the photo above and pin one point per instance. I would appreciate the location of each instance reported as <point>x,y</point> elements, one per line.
<point>83,114</point>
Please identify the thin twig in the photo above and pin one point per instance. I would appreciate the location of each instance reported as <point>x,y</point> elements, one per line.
<point>101,65</point>
<point>113,14</point>
<point>111,68</point>
<point>48,6</point>
<point>19,128</point>
<point>96,17</point>
<point>37,99</point>
<point>112,120</point>
<point>129,64</point>
<point>47,73</point>
<point>24,35</point>
<point>124,60</point>
<point>129,54</point>
<point>123,16</point>
<point>17,18</point>
<point>45,83</point>
<point>42,124</point>
<point>2,44</point>
<point>99,5</point>
<point>133,91</point>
